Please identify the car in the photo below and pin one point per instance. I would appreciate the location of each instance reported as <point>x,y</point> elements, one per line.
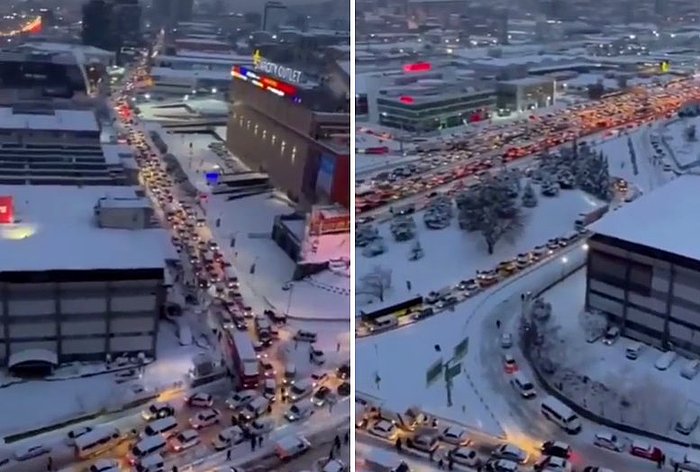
<point>205,418</point>
<point>506,340</point>
<point>202,400</point>
<point>611,336</point>
<point>509,364</point>
<point>556,449</point>
<point>646,451</point>
<point>384,429</point>
<point>241,399</point>
<point>344,389</point>
<point>321,396</point>
<point>511,453</point>
<point>455,436</point>
<point>464,456</point>
<point>502,465</point>
<point>592,468</point>
<point>30,452</point>
<point>73,434</point>
<point>184,440</point>
<point>609,441</point>
<point>553,464</point>
<point>230,436</point>
<point>157,411</point>
<point>267,368</point>
<point>105,465</point>
<point>259,426</point>
<point>343,372</point>
<point>291,446</point>
<point>319,377</point>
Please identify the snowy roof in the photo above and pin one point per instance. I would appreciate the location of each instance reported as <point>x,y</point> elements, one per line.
<point>56,231</point>
<point>165,72</point>
<point>58,120</point>
<point>661,220</point>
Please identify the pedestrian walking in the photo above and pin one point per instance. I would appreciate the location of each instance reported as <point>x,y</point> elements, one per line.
<point>337,347</point>
<point>498,324</point>
<point>440,464</point>
<point>659,462</point>
<point>331,456</point>
<point>336,442</point>
<point>347,438</point>
<point>174,468</point>
<point>253,442</point>
<point>398,444</point>
<point>218,222</point>
<point>228,455</point>
<point>450,464</point>
<point>478,468</point>
<point>260,441</point>
<point>432,454</point>
<point>408,285</point>
<point>234,420</point>
<point>49,465</point>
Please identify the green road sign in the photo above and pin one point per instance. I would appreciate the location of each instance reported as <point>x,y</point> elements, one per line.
<point>433,372</point>
<point>461,348</point>
<point>453,371</point>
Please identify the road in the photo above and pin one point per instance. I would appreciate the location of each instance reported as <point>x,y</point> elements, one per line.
<point>504,144</point>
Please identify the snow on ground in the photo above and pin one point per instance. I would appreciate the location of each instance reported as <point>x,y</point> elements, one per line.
<point>659,398</point>
<point>261,264</point>
<point>685,152</point>
<point>452,255</point>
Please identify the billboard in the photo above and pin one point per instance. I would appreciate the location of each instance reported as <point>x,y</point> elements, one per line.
<point>7,210</point>
<point>326,172</point>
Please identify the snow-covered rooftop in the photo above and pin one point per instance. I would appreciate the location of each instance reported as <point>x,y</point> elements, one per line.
<point>662,219</point>
<point>165,72</point>
<point>58,120</point>
<point>55,230</point>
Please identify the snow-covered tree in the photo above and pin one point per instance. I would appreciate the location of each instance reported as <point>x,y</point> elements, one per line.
<point>529,196</point>
<point>376,282</point>
<point>594,324</point>
<point>690,133</point>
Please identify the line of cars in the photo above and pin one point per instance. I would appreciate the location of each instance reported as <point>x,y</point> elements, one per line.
<point>529,137</point>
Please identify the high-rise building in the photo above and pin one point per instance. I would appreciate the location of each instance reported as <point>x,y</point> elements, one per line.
<point>169,12</point>
<point>126,22</point>
<point>110,24</point>
<point>96,30</point>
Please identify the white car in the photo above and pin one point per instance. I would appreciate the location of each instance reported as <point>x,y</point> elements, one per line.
<point>455,436</point>
<point>465,456</point>
<point>202,400</point>
<point>205,418</point>
<point>30,452</point>
<point>241,399</point>
<point>105,465</point>
<point>184,440</point>
<point>608,441</point>
<point>553,464</point>
<point>260,426</point>
<point>511,453</point>
<point>228,437</point>
<point>384,429</point>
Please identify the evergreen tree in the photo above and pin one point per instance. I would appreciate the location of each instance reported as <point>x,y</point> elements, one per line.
<point>529,196</point>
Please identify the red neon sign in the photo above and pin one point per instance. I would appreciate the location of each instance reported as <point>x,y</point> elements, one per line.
<point>418,67</point>
<point>7,210</point>
<point>407,100</point>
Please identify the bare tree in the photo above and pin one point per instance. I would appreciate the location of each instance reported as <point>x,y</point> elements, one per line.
<point>376,282</point>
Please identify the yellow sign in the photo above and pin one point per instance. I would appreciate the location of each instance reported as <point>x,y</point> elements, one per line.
<point>665,66</point>
<point>257,58</point>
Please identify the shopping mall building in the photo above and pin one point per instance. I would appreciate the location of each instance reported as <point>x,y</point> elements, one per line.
<point>289,124</point>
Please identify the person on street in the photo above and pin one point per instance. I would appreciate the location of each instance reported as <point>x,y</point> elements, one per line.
<point>498,324</point>
<point>174,468</point>
<point>336,442</point>
<point>347,438</point>
<point>253,442</point>
<point>228,455</point>
<point>398,444</point>
<point>441,464</point>
<point>260,441</point>
<point>49,465</point>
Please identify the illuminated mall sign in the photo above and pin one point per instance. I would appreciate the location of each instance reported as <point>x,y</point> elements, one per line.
<point>7,210</point>
<point>276,86</point>
<point>278,70</point>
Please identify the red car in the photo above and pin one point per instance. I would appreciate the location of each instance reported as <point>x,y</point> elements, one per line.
<point>647,451</point>
<point>509,364</point>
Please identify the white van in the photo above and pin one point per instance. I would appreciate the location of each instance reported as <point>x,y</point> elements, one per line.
<point>687,423</point>
<point>257,407</point>
<point>152,463</point>
<point>165,426</point>
<point>299,410</point>
<point>666,360</point>
<point>270,389</point>
<point>560,414</point>
<point>146,447</point>
<point>383,323</point>
<point>96,442</point>
<point>305,335</point>
<point>301,389</point>
<point>523,385</point>
<point>633,350</point>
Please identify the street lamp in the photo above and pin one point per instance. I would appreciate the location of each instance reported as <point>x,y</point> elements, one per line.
<point>564,261</point>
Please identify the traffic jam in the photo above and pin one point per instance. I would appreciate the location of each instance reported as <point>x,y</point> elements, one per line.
<point>209,423</point>
<point>457,158</point>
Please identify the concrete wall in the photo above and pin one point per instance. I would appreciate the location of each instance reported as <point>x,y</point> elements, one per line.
<point>80,320</point>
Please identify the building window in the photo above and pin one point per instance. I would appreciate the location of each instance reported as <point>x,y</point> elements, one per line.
<point>248,126</point>
<point>235,115</point>
<point>264,134</point>
<point>282,147</point>
<point>274,139</point>
<point>294,154</point>
<point>240,122</point>
<point>255,130</point>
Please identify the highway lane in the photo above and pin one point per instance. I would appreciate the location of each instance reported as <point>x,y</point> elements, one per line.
<point>616,112</point>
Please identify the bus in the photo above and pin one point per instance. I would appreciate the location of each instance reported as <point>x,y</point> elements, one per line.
<point>242,358</point>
